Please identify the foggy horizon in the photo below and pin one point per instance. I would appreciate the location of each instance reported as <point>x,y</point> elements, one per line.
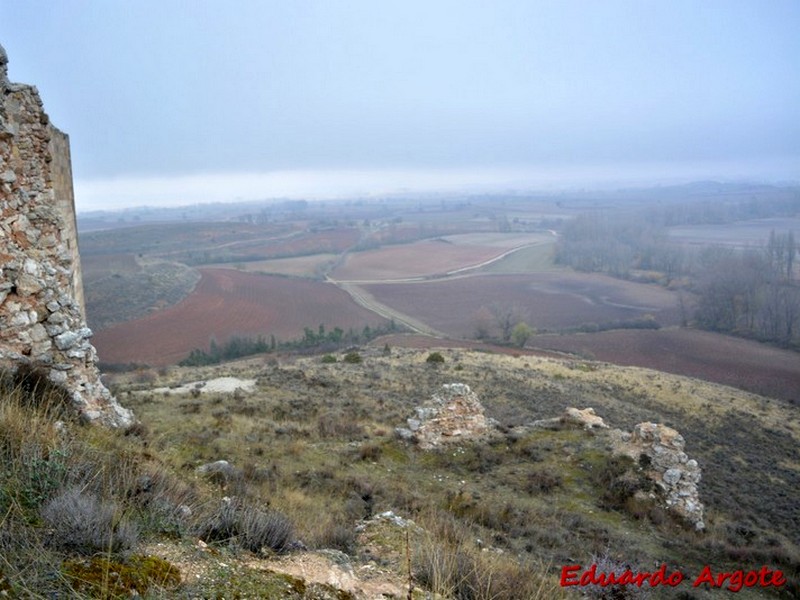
<point>331,185</point>
<point>166,106</point>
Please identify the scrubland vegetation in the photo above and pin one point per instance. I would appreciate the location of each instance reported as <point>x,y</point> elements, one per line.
<point>313,461</point>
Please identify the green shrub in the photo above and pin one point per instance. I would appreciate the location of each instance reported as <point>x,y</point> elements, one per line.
<point>328,359</point>
<point>352,358</point>
<point>435,358</point>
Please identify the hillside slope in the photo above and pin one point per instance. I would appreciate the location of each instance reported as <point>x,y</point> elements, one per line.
<point>325,431</point>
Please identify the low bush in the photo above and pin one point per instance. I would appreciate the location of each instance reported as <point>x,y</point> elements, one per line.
<point>464,573</point>
<point>352,358</point>
<point>247,527</point>
<point>542,481</point>
<point>435,358</point>
<point>608,565</point>
<point>82,523</point>
<point>30,387</point>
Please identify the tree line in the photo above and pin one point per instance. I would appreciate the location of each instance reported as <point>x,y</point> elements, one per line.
<point>753,292</point>
<point>319,340</point>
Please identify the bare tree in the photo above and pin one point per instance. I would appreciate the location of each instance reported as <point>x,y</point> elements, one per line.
<point>506,316</point>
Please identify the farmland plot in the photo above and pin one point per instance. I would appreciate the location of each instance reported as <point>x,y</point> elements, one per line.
<point>746,364</point>
<point>753,233</point>
<point>549,300</point>
<point>430,257</point>
<point>299,266</point>
<point>228,303</point>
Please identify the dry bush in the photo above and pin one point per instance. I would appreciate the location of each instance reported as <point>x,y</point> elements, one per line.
<point>338,425</point>
<point>34,452</point>
<point>543,481</point>
<point>260,529</point>
<point>465,573</point>
<point>335,535</point>
<point>606,564</point>
<point>246,526</point>
<point>82,523</point>
<point>30,387</point>
<point>352,358</point>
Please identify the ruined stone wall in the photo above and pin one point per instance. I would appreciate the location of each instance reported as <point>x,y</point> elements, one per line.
<point>42,317</point>
<point>61,171</point>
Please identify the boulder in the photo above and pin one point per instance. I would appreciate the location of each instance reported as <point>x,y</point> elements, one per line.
<point>454,414</point>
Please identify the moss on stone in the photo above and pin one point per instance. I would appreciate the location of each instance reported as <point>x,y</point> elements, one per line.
<point>112,579</point>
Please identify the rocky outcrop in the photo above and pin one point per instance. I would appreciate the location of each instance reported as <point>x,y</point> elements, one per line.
<point>572,418</point>
<point>454,414</point>
<point>42,320</point>
<point>659,450</point>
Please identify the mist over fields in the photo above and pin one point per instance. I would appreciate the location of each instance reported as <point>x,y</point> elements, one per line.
<point>537,272</point>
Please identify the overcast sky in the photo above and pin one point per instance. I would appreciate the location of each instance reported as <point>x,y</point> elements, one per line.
<point>173,102</point>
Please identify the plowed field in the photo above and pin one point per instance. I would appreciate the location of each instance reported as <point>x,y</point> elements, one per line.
<point>226,303</point>
<point>430,257</point>
<point>551,300</point>
<point>745,364</point>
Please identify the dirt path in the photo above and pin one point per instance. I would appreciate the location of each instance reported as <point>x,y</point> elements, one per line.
<point>366,300</point>
<point>454,274</point>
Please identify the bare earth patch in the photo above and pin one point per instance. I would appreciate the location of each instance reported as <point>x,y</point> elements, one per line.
<point>229,303</point>
<point>220,384</point>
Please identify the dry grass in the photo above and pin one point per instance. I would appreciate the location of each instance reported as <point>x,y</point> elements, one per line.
<point>324,432</point>
<point>314,457</point>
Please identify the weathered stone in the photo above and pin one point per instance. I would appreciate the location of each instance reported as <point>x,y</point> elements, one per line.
<point>674,473</point>
<point>28,285</point>
<point>572,418</point>
<point>671,476</point>
<point>66,340</point>
<point>20,319</point>
<point>54,329</point>
<point>56,317</point>
<point>454,414</point>
<point>38,333</point>
<point>40,266</point>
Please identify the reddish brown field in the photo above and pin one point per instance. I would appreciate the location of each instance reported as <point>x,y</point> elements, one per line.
<point>745,364</point>
<point>551,300</point>
<point>429,257</point>
<point>227,303</point>
<point>315,242</point>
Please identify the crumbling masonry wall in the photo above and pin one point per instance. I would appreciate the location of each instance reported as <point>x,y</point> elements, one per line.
<point>42,315</point>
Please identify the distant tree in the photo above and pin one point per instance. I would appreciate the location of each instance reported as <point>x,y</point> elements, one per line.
<point>521,334</point>
<point>483,322</point>
<point>506,316</point>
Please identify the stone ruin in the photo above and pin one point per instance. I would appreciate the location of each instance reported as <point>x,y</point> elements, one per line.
<point>658,449</point>
<point>453,415</point>
<point>42,314</point>
<point>572,417</point>
<point>456,415</point>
